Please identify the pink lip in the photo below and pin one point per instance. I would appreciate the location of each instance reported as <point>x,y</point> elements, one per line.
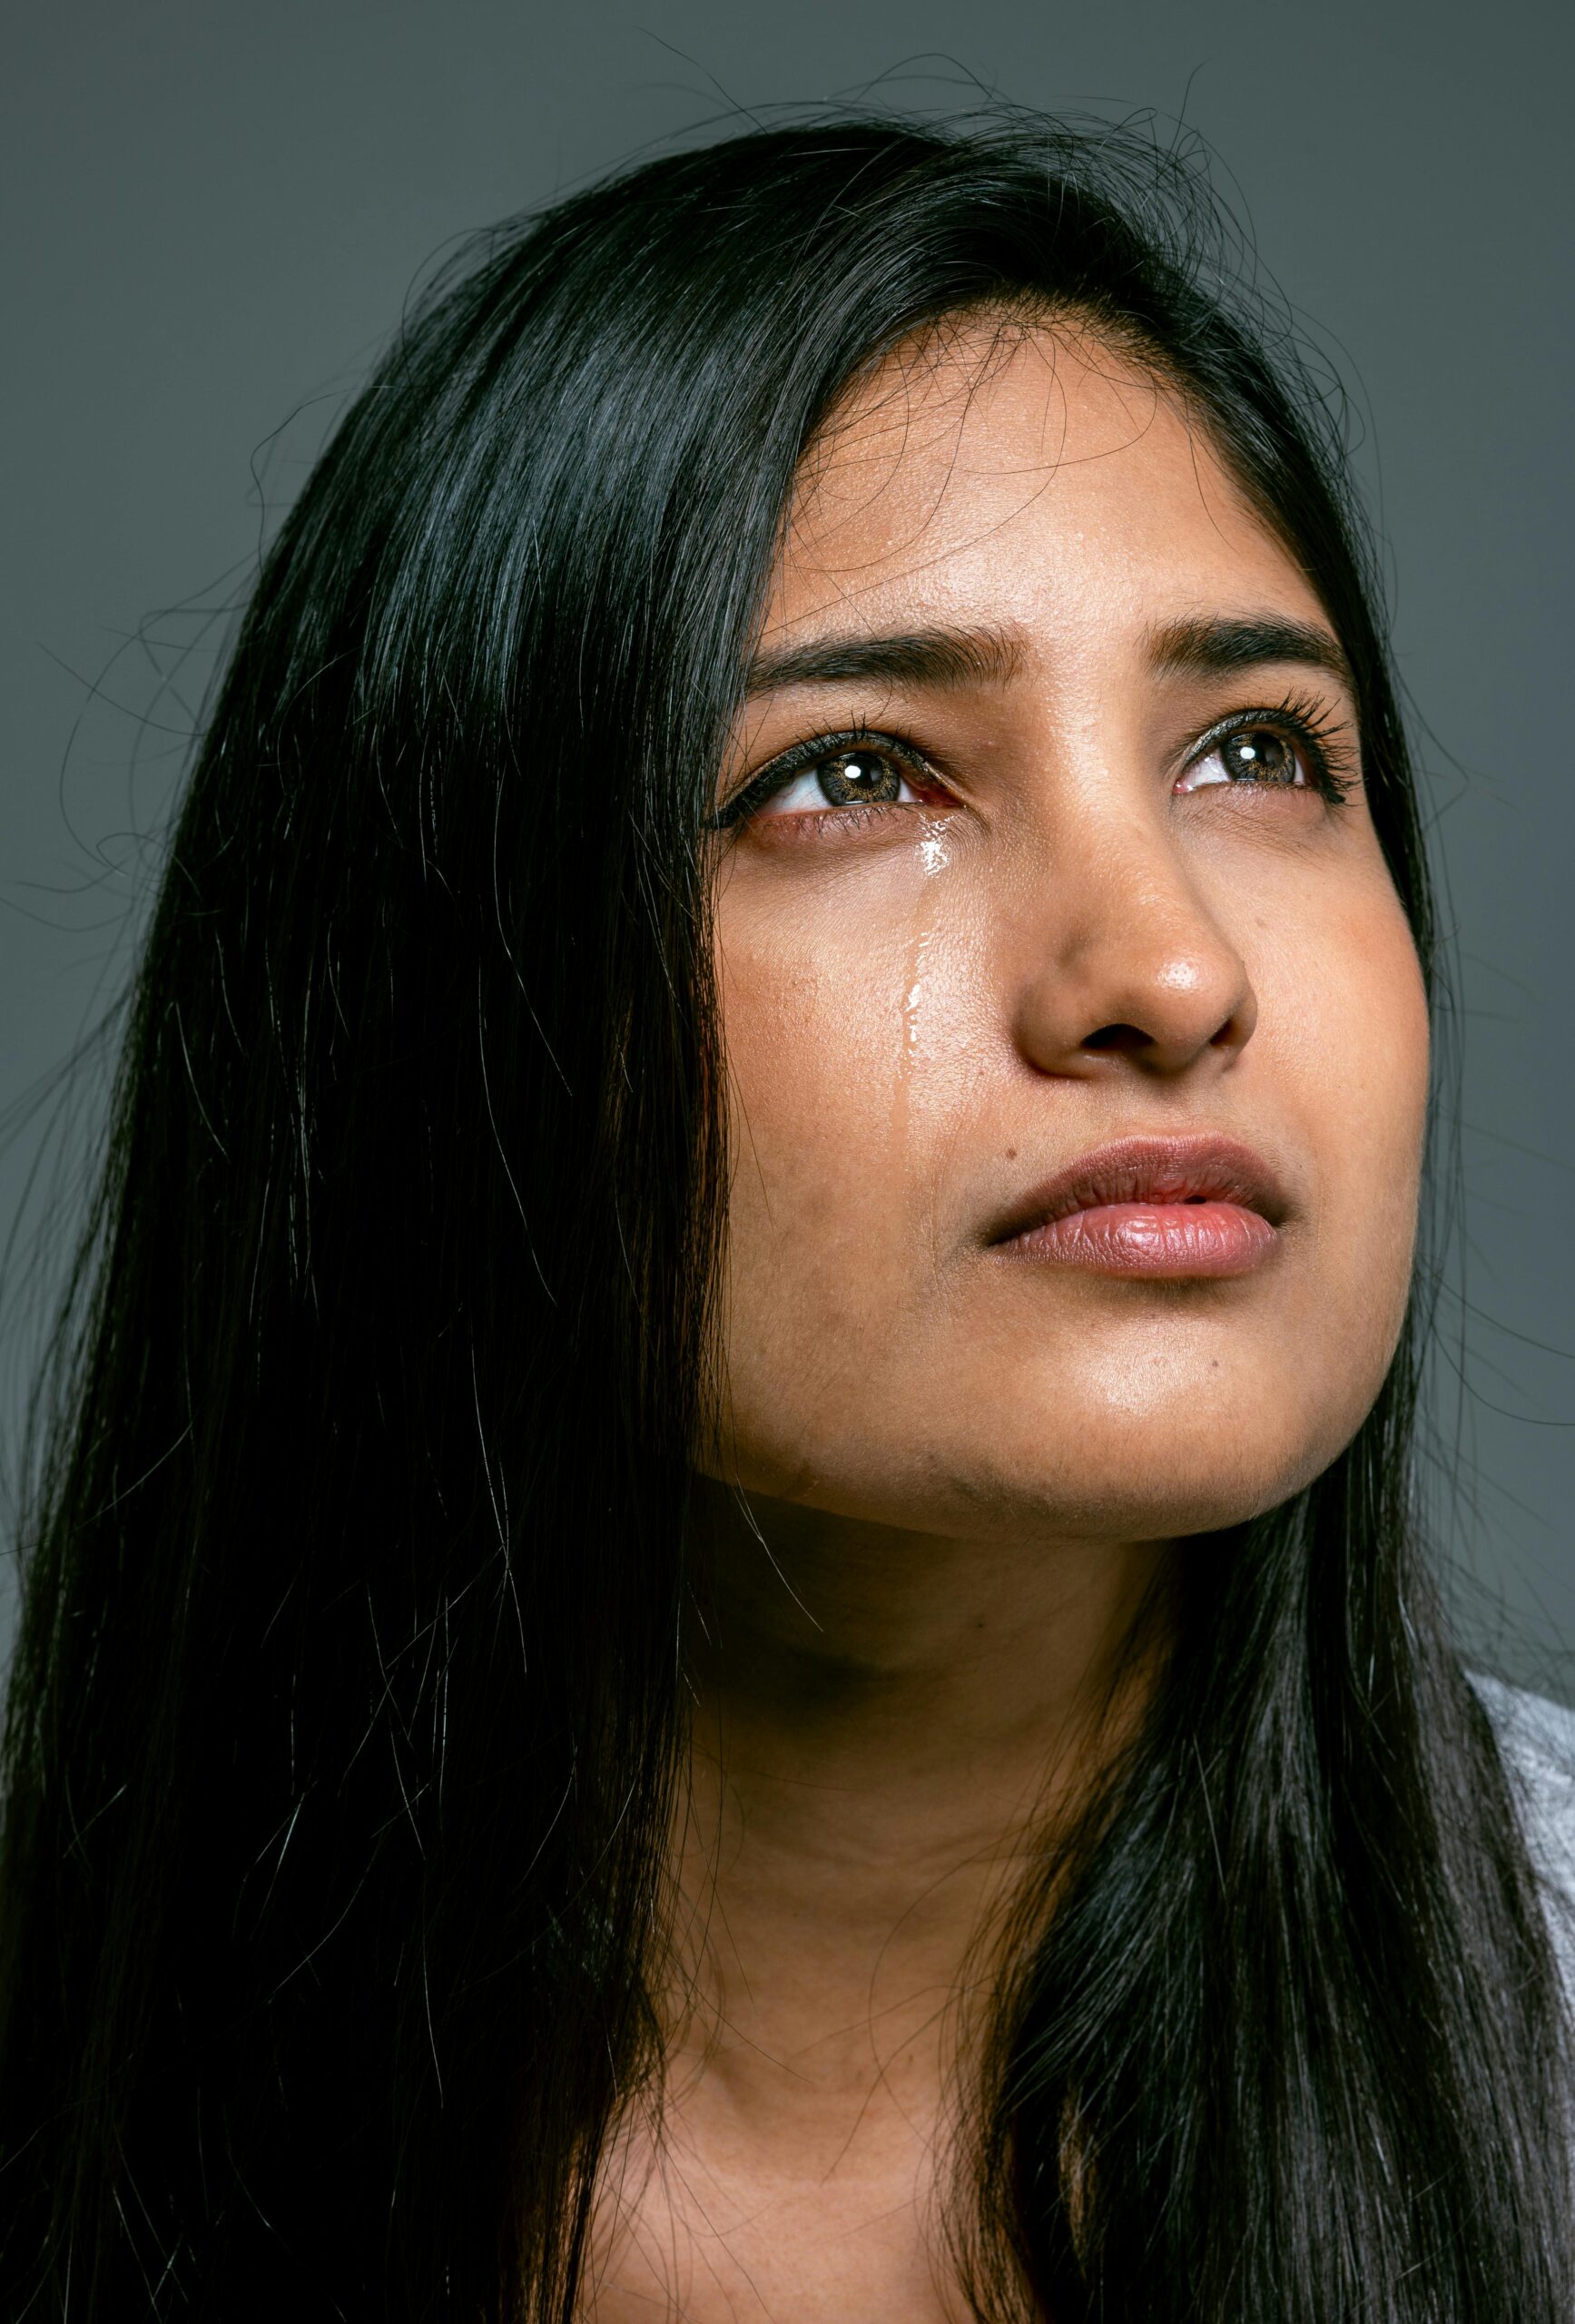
<point>1152,1207</point>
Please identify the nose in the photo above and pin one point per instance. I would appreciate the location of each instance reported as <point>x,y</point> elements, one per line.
<point>1128,969</point>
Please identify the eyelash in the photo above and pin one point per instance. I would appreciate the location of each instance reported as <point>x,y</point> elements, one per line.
<point>1323,740</point>
<point>1329,761</point>
<point>780,773</point>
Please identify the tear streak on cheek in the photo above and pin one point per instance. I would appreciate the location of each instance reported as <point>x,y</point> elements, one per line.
<point>934,858</point>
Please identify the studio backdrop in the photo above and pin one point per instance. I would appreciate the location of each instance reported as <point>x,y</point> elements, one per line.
<point>216,210</point>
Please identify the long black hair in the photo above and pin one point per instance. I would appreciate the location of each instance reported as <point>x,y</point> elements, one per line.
<point>347,1708</point>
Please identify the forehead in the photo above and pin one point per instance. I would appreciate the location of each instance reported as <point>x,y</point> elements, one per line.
<point>1029,474</point>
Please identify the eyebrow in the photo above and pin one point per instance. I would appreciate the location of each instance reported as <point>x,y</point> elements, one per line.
<point>1193,646</point>
<point>1202,648</point>
<point>918,657</point>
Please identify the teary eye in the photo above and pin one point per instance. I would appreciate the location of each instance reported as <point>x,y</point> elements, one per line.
<point>845,778</point>
<point>828,773</point>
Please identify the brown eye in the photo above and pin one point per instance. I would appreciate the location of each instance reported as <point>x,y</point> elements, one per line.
<point>858,775</point>
<point>1257,754</point>
<point>1251,754</point>
<point>851,777</point>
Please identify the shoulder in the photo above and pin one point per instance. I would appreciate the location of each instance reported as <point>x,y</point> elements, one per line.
<point>1537,1741</point>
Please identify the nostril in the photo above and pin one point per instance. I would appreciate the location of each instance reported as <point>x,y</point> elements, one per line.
<point>1119,1038</point>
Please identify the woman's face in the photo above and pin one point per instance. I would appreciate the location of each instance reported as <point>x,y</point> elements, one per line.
<point>1069,853</point>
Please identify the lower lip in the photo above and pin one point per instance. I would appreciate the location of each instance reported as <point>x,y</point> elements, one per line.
<point>1174,1239</point>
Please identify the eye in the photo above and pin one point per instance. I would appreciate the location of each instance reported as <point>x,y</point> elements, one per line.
<point>858,777</point>
<point>1253,754</point>
<point>826,773</point>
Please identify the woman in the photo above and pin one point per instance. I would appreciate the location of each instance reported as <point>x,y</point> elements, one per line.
<point>723,1616</point>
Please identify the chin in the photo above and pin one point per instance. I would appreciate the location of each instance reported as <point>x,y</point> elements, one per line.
<point>1153,1480</point>
<point>1201,1448</point>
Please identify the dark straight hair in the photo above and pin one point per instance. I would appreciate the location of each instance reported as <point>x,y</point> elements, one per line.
<point>346,1715</point>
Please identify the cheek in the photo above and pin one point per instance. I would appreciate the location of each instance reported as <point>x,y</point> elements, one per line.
<point>851,1057</point>
<point>814,1076</point>
<point>1344,1039</point>
<point>1354,1017</point>
<point>873,1074</point>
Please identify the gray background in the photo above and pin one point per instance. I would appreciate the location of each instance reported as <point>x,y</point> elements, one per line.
<point>216,212</point>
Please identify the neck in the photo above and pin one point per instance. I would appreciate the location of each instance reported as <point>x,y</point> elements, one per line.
<point>887,1722</point>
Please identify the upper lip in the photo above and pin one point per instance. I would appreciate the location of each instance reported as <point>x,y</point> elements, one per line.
<point>1151,1170</point>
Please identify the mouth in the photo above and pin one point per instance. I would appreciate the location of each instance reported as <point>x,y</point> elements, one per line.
<point>1159,1207</point>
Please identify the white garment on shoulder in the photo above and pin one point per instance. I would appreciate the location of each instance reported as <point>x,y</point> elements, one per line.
<point>1537,1738</point>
